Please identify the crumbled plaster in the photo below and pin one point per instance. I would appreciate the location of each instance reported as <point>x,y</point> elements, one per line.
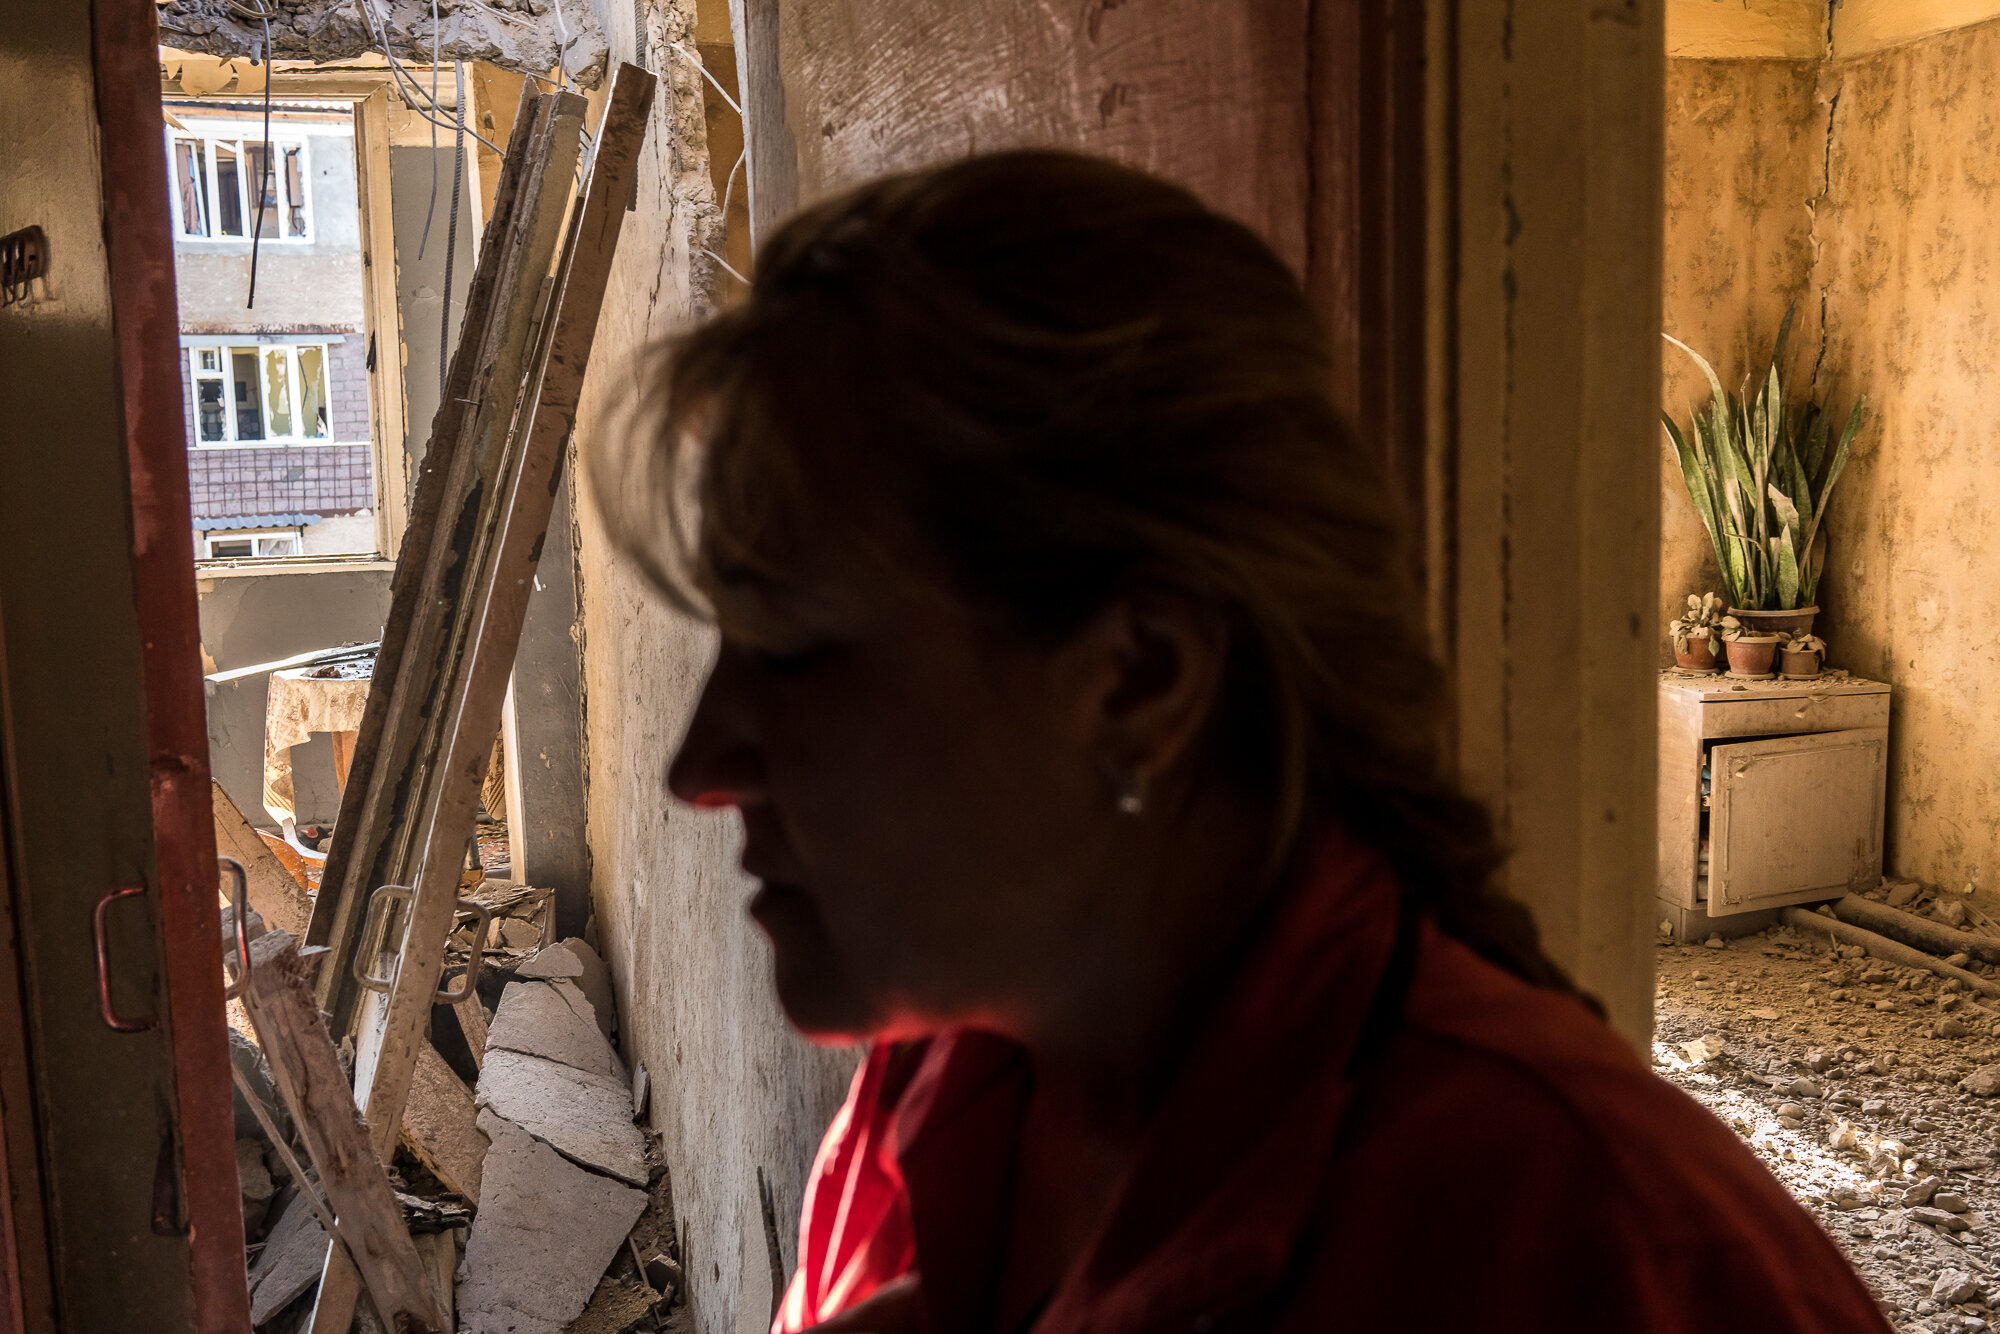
<point>531,35</point>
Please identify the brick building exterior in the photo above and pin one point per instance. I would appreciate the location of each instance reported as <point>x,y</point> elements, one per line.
<point>275,396</point>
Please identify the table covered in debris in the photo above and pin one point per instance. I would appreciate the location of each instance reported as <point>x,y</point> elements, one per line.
<point>329,697</point>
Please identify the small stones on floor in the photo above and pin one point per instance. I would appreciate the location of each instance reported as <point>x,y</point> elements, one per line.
<point>1875,1113</point>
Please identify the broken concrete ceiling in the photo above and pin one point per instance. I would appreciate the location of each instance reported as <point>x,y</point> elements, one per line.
<point>529,35</point>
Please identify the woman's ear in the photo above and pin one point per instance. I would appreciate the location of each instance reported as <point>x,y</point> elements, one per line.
<point>1160,653</point>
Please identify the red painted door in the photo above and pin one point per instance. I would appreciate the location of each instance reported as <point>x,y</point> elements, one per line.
<point>121,1208</point>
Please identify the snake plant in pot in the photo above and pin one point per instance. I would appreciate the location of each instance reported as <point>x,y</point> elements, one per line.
<point>1759,472</point>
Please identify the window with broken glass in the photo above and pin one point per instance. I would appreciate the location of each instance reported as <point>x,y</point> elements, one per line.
<point>217,184</point>
<point>267,394</point>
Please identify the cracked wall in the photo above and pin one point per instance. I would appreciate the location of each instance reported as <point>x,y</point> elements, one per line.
<point>1904,177</point>
<point>734,1090</point>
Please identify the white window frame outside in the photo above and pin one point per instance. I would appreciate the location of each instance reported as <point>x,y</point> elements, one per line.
<point>293,382</point>
<point>258,538</point>
<point>240,143</point>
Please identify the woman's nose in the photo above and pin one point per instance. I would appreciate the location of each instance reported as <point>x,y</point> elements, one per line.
<point>717,764</point>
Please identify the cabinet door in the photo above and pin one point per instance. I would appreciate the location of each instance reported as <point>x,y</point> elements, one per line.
<point>1795,818</point>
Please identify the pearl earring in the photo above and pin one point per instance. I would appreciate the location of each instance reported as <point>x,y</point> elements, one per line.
<point>1132,793</point>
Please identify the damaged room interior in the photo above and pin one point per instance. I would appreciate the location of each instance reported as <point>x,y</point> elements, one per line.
<point>363,963</point>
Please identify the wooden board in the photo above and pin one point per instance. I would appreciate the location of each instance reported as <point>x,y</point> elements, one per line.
<point>462,583</point>
<point>306,1069</point>
<point>441,1125</point>
<point>277,895</point>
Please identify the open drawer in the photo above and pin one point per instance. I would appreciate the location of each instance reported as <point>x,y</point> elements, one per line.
<point>1795,818</point>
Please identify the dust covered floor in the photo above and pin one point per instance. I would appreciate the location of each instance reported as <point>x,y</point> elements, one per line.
<point>1853,1081</point>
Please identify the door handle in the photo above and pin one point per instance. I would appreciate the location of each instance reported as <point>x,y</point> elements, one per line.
<point>104,1006</point>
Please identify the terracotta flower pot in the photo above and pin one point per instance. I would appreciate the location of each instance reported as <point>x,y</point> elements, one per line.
<point>1798,664</point>
<point>1797,622</point>
<point>1750,655</point>
<point>1699,656</point>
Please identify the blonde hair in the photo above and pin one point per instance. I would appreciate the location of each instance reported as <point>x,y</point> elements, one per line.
<point>1067,372</point>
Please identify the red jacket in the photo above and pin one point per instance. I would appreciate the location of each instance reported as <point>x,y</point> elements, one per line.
<point>1369,1135</point>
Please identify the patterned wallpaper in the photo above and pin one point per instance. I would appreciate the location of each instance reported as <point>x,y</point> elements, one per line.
<point>1904,253</point>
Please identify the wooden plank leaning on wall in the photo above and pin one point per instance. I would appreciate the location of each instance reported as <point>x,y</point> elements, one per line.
<point>482,510</point>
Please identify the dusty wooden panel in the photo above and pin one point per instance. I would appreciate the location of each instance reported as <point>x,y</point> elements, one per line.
<point>274,891</point>
<point>472,1022</point>
<point>1552,378</point>
<point>457,606</point>
<point>441,1124</point>
<point>1212,95</point>
<point>307,1071</point>
<point>373,837</point>
<point>1814,713</point>
<point>1795,818</point>
<point>1680,755</point>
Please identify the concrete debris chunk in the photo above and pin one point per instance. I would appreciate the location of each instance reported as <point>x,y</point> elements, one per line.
<point>1938,1218</point>
<point>546,1230</point>
<point>252,1176</point>
<point>1954,1286</point>
<point>1949,1202</point>
<point>1702,1049</point>
<point>552,1020</point>
<point>327,31</point>
<point>1921,1192</point>
<point>290,1261</point>
<point>585,1116</point>
<point>1950,912</point>
<point>575,961</point>
<point>1983,1082</point>
<point>1804,1088</point>
<point>1948,1027</point>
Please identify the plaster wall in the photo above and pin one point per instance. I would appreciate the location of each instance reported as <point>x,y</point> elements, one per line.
<point>733,1089</point>
<point>1891,159</point>
<point>1909,265</point>
<point>1744,157</point>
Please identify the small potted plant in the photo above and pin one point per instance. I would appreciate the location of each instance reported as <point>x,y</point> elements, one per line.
<point>1801,655</point>
<point>1697,634</point>
<point>1749,654</point>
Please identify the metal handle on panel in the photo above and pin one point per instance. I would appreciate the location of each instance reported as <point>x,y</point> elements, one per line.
<point>239,907</point>
<point>375,930</point>
<point>446,995</point>
<point>104,1007</point>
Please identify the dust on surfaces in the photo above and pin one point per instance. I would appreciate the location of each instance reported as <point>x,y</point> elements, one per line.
<point>1868,1090</point>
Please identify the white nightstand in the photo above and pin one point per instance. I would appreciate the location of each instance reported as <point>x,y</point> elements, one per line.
<point>1771,793</point>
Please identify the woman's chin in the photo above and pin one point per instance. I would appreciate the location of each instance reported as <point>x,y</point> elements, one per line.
<point>813,987</point>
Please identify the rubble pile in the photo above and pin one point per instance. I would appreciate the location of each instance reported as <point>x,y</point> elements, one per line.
<point>1872,1091</point>
<point>564,1225</point>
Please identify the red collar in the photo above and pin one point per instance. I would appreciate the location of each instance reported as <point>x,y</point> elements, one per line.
<point>1212,1207</point>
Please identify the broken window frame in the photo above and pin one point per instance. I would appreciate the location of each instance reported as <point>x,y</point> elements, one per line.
<point>260,540</point>
<point>279,212</point>
<point>226,349</point>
